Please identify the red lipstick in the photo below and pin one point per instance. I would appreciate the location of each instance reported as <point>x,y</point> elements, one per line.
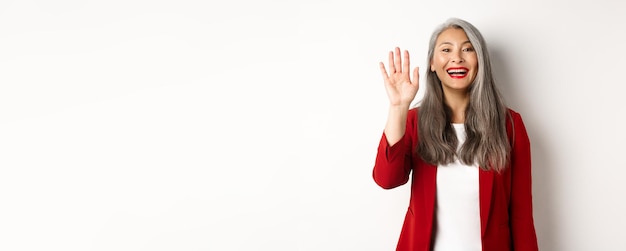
<point>457,72</point>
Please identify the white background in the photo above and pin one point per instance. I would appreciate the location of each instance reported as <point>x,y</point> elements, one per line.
<point>250,125</point>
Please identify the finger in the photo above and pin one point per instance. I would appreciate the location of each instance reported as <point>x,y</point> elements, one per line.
<point>397,60</point>
<point>406,63</point>
<point>383,71</point>
<point>391,66</point>
<point>416,76</point>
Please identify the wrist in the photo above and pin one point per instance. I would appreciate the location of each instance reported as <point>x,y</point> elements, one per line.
<point>401,106</point>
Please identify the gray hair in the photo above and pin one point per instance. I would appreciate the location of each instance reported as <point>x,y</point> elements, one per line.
<point>485,116</point>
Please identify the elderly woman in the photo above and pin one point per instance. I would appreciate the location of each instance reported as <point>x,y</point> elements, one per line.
<point>468,155</point>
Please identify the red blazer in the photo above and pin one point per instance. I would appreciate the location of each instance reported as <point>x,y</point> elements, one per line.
<point>506,212</point>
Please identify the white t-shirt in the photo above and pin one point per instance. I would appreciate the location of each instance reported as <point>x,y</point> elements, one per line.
<point>457,210</point>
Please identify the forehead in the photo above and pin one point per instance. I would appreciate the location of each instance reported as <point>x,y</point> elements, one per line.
<point>452,36</point>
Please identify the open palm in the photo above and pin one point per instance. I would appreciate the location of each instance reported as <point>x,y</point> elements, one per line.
<point>401,89</point>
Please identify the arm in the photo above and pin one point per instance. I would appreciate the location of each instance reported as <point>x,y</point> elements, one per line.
<point>393,161</point>
<point>521,209</point>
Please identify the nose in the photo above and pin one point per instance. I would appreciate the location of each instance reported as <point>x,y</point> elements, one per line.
<point>457,57</point>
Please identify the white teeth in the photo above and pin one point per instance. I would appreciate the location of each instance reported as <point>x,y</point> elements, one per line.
<point>457,71</point>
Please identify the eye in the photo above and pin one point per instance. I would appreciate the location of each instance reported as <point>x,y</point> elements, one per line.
<point>468,49</point>
<point>446,50</point>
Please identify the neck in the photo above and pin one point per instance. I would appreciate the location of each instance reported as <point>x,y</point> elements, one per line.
<point>457,101</point>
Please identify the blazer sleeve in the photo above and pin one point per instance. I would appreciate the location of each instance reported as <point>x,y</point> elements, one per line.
<point>394,163</point>
<point>521,209</point>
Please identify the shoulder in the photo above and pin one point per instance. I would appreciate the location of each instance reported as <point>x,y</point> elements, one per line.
<point>513,116</point>
<point>411,117</point>
<point>411,121</point>
<point>413,112</point>
<point>513,113</point>
<point>515,126</point>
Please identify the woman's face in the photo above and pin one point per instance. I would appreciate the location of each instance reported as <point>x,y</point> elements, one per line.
<point>454,60</point>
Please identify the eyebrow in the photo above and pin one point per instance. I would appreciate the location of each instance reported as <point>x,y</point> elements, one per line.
<point>450,43</point>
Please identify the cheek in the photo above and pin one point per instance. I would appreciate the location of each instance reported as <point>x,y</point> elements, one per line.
<point>437,63</point>
<point>440,60</point>
<point>441,74</point>
<point>474,62</point>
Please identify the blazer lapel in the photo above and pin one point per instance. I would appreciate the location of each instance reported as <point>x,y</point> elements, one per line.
<point>485,180</point>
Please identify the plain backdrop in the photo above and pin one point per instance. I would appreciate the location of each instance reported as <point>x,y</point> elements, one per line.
<point>253,125</point>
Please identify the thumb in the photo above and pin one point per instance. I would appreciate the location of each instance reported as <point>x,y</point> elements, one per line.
<point>416,76</point>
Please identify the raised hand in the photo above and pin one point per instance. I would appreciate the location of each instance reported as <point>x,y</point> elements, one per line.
<point>401,89</point>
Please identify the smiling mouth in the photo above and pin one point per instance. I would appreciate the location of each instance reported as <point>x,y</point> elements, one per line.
<point>459,72</point>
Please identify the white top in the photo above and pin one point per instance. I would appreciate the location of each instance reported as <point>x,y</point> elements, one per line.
<point>457,210</point>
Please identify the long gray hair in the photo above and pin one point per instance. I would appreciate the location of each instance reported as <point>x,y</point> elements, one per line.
<point>485,116</point>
